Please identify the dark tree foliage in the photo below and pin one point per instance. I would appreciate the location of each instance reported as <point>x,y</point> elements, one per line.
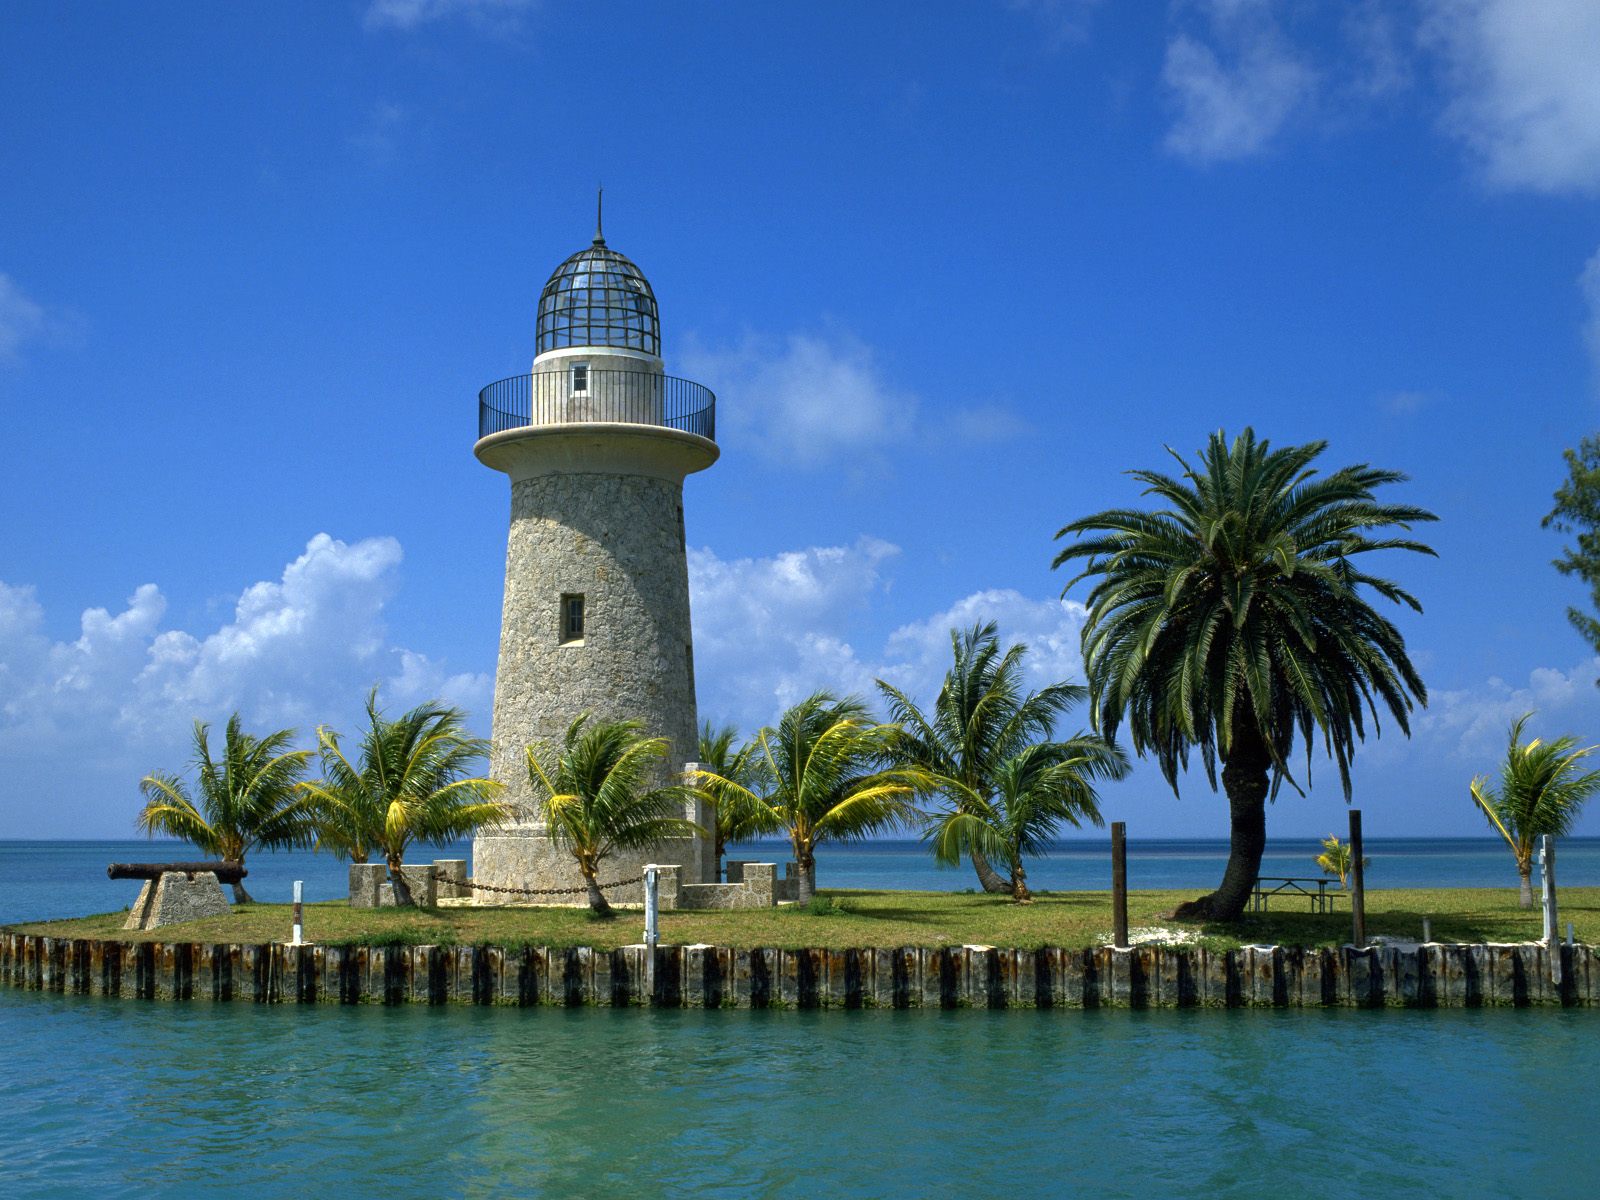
<point>1577,512</point>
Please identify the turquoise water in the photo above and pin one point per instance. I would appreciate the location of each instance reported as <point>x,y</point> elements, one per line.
<point>158,1099</point>
<point>151,1099</point>
<point>55,879</point>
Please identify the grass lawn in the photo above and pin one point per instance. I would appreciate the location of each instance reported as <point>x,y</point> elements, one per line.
<point>877,918</point>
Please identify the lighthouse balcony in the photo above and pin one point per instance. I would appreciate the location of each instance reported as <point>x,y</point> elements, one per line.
<point>568,397</point>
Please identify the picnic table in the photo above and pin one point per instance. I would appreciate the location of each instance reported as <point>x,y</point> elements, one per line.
<point>1315,890</point>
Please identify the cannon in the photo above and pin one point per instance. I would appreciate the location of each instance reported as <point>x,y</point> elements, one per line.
<point>226,872</point>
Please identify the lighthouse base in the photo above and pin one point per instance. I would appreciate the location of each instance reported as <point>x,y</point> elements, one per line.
<point>534,861</point>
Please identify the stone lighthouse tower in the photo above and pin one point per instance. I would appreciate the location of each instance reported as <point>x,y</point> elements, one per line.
<point>597,440</point>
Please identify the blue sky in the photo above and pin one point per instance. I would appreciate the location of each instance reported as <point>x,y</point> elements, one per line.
<point>951,269</point>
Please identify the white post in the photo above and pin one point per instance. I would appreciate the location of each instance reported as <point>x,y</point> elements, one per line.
<point>652,907</point>
<point>652,934</point>
<point>299,927</point>
<point>1552,935</point>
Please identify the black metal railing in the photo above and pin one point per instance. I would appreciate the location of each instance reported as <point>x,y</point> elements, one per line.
<point>634,397</point>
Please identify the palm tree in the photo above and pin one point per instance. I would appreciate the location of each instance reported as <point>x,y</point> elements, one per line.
<point>1035,791</point>
<point>1337,859</point>
<point>1542,789</point>
<point>822,773</point>
<point>720,755</point>
<point>412,781</point>
<point>248,799</point>
<point>1235,617</point>
<point>981,720</point>
<point>596,795</point>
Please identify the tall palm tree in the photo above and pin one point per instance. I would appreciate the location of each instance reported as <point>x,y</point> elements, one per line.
<point>822,773</point>
<point>982,718</point>
<point>1542,789</point>
<point>595,789</point>
<point>247,799</point>
<point>721,755</point>
<point>1235,617</point>
<point>411,781</point>
<point>1036,791</point>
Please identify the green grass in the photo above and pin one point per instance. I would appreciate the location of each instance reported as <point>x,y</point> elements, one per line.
<point>842,919</point>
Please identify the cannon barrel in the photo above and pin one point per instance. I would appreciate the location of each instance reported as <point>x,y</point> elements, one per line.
<point>226,872</point>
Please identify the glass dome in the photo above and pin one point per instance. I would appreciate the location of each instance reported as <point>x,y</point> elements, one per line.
<point>598,298</point>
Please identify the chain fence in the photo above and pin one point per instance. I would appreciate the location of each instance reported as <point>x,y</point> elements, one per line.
<point>471,885</point>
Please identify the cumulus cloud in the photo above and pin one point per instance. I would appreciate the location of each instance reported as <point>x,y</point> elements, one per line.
<point>769,631</point>
<point>494,16</point>
<point>298,650</point>
<point>22,319</point>
<point>1525,88</point>
<point>1234,85</point>
<point>1471,723</point>
<point>805,398</point>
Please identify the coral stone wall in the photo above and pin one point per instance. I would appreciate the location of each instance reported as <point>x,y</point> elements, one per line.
<point>617,540</point>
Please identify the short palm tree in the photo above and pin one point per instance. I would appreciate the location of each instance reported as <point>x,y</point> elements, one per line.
<point>1036,791</point>
<point>823,772</point>
<point>247,799</point>
<point>596,792</point>
<point>721,755</point>
<point>1338,860</point>
<point>1542,789</point>
<point>982,721</point>
<point>412,781</point>
<point>1235,617</point>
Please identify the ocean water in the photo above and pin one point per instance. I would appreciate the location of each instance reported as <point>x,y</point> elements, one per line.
<point>159,1099</point>
<point>154,1099</point>
<point>56,879</point>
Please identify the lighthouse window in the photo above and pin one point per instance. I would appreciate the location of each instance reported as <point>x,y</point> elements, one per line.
<point>580,377</point>
<point>571,619</point>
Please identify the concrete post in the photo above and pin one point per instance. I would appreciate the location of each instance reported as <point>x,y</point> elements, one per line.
<point>1547,873</point>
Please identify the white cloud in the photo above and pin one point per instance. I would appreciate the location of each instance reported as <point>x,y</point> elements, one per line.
<point>493,16</point>
<point>769,631</point>
<point>804,398</point>
<point>298,650</point>
<point>1235,89</point>
<point>1525,79</point>
<point>1471,723</point>
<point>1589,285</point>
<point>22,319</point>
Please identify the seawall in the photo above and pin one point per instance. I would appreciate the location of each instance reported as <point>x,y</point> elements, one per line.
<point>1428,976</point>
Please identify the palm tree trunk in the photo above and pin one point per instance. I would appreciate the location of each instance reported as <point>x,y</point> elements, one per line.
<point>1019,883</point>
<point>598,904</point>
<point>240,896</point>
<point>1244,779</point>
<point>991,880</point>
<point>807,886</point>
<point>402,889</point>
<point>1525,900</point>
<point>720,847</point>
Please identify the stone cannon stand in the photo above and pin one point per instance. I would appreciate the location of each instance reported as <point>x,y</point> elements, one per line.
<point>176,897</point>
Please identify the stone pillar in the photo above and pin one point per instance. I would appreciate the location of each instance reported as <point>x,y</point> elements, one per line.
<point>452,873</point>
<point>366,879</point>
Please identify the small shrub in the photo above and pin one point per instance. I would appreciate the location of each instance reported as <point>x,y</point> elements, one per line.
<point>826,906</point>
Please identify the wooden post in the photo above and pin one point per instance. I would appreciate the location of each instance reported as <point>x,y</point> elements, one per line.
<point>1358,886</point>
<point>299,925</point>
<point>1119,885</point>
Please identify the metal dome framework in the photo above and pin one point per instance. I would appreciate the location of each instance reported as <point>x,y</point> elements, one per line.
<point>597,297</point>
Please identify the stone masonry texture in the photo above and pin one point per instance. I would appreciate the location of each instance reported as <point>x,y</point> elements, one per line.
<point>617,540</point>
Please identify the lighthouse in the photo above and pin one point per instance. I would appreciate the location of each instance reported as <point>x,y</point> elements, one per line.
<point>596,440</point>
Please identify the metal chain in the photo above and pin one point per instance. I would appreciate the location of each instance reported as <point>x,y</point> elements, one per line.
<point>516,891</point>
